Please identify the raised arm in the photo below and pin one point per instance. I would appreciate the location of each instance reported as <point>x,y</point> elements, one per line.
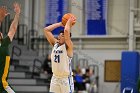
<point>13,27</point>
<point>3,13</point>
<point>68,41</point>
<point>48,32</point>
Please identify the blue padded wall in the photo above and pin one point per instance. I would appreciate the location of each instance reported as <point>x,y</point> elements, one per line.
<point>129,70</point>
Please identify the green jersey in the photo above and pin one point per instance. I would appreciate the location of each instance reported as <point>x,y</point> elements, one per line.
<point>4,62</point>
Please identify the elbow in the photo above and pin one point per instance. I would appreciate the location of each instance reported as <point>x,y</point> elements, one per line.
<point>46,29</point>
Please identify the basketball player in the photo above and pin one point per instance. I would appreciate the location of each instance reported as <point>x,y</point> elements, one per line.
<point>4,44</point>
<point>61,56</point>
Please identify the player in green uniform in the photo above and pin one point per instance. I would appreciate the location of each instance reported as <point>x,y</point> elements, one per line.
<point>4,50</point>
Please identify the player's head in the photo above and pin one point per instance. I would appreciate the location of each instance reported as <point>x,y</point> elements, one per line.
<point>1,36</point>
<point>61,38</point>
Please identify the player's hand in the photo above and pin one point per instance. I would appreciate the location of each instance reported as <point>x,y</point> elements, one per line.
<point>62,24</point>
<point>17,8</point>
<point>72,20</point>
<point>3,13</point>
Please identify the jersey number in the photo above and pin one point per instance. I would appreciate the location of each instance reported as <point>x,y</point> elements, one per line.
<point>57,58</point>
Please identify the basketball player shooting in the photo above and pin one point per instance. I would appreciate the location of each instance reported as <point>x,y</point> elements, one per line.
<point>4,51</point>
<point>61,56</point>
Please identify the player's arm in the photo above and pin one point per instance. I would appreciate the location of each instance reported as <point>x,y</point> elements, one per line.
<point>68,41</point>
<point>13,27</point>
<point>3,13</point>
<point>48,32</point>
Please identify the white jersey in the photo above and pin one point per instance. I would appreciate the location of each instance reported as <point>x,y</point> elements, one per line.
<point>61,63</point>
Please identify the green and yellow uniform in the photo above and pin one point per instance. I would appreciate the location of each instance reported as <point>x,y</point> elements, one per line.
<point>4,63</point>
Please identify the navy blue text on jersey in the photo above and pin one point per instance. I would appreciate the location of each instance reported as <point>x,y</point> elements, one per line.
<point>58,51</point>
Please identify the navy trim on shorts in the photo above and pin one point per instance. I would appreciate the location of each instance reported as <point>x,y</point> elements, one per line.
<point>70,85</point>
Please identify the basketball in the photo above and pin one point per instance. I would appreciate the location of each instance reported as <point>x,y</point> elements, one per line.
<point>66,17</point>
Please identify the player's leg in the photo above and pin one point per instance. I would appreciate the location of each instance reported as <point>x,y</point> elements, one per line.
<point>6,89</point>
<point>9,89</point>
<point>4,73</point>
<point>2,90</point>
<point>54,86</point>
<point>67,85</point>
